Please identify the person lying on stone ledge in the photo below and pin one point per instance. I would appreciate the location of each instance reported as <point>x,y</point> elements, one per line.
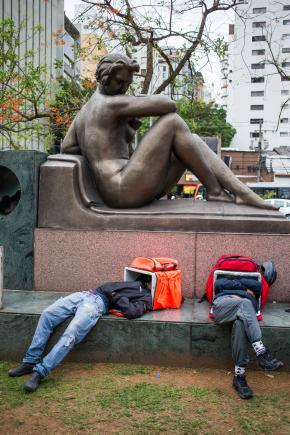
<point>106,124</point>
<point>132,299</point>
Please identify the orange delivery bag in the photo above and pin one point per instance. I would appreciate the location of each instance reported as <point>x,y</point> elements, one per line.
<point>165,280</point>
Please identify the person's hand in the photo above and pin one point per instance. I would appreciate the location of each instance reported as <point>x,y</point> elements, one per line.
<point>251,292</point>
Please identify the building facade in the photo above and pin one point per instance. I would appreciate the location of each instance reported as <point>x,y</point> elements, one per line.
<point>248,166</point>
<point>255,96</point>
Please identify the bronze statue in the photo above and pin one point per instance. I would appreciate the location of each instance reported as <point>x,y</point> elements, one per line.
<point>105,126</point>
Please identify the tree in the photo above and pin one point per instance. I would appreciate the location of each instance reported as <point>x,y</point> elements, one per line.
<point>206,119</point>
<point>202,119</point>
<point>34,105</point>
<point>155,26</point>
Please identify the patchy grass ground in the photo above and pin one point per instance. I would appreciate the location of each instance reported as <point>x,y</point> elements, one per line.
<point>129,399</point>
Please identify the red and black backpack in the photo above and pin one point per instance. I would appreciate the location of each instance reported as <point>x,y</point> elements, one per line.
<point>236,263</point>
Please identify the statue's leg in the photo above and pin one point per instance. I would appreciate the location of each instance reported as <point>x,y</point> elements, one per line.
<point>175,171</point>
<point>243,194</point>
<point>153,158</point>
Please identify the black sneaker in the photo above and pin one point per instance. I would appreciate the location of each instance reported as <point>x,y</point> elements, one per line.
<point>32,384</point>
<point>241,387</point>
<point>268,362</point>
<point>23,369</point>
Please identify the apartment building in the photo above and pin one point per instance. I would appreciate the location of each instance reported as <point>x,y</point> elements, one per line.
<point>256,97</point>
<point>185,85</point>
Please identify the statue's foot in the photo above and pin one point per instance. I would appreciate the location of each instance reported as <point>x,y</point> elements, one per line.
<point>254,200</point>
<point>221,196</point>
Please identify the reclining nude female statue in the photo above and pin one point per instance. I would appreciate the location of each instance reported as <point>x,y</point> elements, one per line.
<point>106,124</point>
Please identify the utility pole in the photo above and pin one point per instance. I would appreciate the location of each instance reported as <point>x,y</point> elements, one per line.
<point>259,152</point>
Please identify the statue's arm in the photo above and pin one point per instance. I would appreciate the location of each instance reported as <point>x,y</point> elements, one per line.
<point>70,143</point>
<point>152,105</point>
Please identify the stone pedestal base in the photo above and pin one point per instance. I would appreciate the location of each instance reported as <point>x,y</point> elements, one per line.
<point>70,260</point>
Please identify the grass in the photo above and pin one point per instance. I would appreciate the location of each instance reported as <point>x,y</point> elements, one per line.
<point>129,399</point>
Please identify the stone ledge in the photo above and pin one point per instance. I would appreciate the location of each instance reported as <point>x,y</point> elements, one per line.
<point>184,337</point>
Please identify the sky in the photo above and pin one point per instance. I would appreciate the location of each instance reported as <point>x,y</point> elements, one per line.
<point>218,26</point>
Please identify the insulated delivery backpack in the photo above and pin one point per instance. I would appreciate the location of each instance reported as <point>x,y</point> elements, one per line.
<point>238,266</point>
<point>165,280</point>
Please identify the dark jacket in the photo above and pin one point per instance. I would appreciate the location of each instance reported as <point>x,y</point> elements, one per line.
<point>131,298</point>
<point>238,286</point>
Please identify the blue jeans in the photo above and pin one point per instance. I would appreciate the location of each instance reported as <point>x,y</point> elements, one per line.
<point>86,309</point>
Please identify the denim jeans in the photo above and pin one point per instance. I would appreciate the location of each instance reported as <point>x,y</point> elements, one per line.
<point>86,309</point>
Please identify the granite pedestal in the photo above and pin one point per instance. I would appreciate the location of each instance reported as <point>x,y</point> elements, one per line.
<point>69,260</point>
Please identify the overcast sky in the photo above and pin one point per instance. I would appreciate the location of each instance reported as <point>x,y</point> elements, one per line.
<point>218,26</point>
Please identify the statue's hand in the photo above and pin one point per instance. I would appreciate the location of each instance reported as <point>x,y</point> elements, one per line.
<point>135,123</point>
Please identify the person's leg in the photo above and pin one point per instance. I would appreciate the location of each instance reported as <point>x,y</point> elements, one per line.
<point>226,310</point>
<point>243,309</point>
<point>240,344</point>
<point>52,316</point>
<point>240,356</point>
<point>86,316</point>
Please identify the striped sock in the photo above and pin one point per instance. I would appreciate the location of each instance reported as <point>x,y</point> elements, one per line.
<point>258,347</point>
<point>240,371</point>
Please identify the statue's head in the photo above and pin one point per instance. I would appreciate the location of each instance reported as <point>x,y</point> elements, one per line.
<point>115,72</point>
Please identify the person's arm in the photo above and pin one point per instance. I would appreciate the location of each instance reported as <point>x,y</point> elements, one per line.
<point>152,105</point>
<point>130,309</point>
<point>253,285</point>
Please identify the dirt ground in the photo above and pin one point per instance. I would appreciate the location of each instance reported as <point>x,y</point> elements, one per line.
<point>127,399</point>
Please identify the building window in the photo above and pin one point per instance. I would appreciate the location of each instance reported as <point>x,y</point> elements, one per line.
<point>259,10</point>
<point>286,36</point>
<point>284,133</point>
<point>258,38</point>
<point>257,79</point>
<point>285,106</point>
<point>254,134</point>
<point>286,22</point>
<point>259,65</point>
<point>256,24</point>
<point>284,120</point>
<point>285,64</point>
<point>257,93</point>
<point>258,52</point>
<point>285,92</point>
<point>164,72</point>
<point>285,79</point>
<point>257,107</point>
<point>256,121</point>
<point>286,50</point>
<point>286,8</point>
